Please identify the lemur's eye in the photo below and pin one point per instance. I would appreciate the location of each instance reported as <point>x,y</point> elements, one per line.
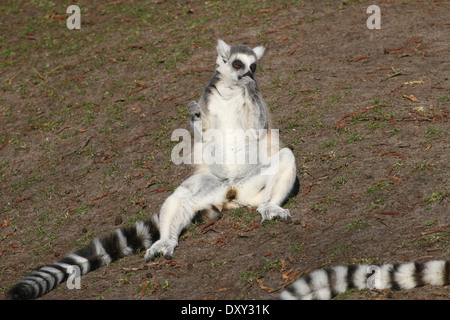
<point>237,64</point>
<point>253,67</point>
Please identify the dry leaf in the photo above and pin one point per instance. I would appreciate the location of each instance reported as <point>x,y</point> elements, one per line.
<point>414,82</point>
<point>262,286</point>
<point>411,97</point>
<point>140,83</point>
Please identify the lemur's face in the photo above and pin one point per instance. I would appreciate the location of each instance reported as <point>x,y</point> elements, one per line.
<point>242,65</point>
<point>238,63</point>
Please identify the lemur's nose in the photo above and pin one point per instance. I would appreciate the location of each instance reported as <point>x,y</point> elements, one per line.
<point>248,74</point>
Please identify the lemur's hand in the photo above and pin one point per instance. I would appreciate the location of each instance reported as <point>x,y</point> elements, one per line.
<point>194,109</point>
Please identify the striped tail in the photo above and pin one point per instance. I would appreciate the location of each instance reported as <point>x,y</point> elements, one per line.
<point>122,242</point>
<point>324,284</point>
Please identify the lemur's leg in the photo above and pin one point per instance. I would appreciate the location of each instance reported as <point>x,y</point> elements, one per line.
<point>195,194</point>
<point>268,189</point>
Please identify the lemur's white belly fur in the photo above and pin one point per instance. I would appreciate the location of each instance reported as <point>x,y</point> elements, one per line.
<point>239,144</point>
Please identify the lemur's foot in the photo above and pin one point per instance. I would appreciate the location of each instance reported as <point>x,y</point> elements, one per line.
<point>270,211</point>
<point>160,247</point>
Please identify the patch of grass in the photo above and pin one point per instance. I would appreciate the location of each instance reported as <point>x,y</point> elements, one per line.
<point>374,125</point>
<point>432,132</point>
<point>309,92</point>
<point>329,143</point>
<point>354,137</point>
<point>84,208</point>
<point>363,260</point>
<point>335,253</point>
<point>429,222</point>
<point>380,186</point>
<point>378,204</point>
<point>254,273</point>
<point>437,196</point>
<point>332,100</point>
<point>310,20</point>
<point>375,115</point>
<point>356,224</point>
<point>271,224</point>
<point>339,182</point>
<point>297,250</point>
<point>394,132</point>
<point>318,207</point>
<point>345,295</point>
<point>437,241</point>
<point>215,264</point>
<point>444,99</point>
<point>421,166</point>
<point>340,165</point>
<point>244,218</point>
<point>26,183</point>
<point>322,205</point>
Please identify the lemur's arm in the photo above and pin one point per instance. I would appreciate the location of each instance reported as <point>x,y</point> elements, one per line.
<point>194,110</point>
<point>196,113</point>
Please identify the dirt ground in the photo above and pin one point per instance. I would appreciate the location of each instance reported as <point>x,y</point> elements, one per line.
<point>86,118</point>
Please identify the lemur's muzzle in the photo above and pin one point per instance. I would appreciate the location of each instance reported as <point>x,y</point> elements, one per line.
<point>248,74</point>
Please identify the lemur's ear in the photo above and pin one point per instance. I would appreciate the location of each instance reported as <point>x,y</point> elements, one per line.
<point>223,49</point>
<point>259,51</point>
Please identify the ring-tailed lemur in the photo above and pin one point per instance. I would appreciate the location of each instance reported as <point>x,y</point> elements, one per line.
<point>231,101</point>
